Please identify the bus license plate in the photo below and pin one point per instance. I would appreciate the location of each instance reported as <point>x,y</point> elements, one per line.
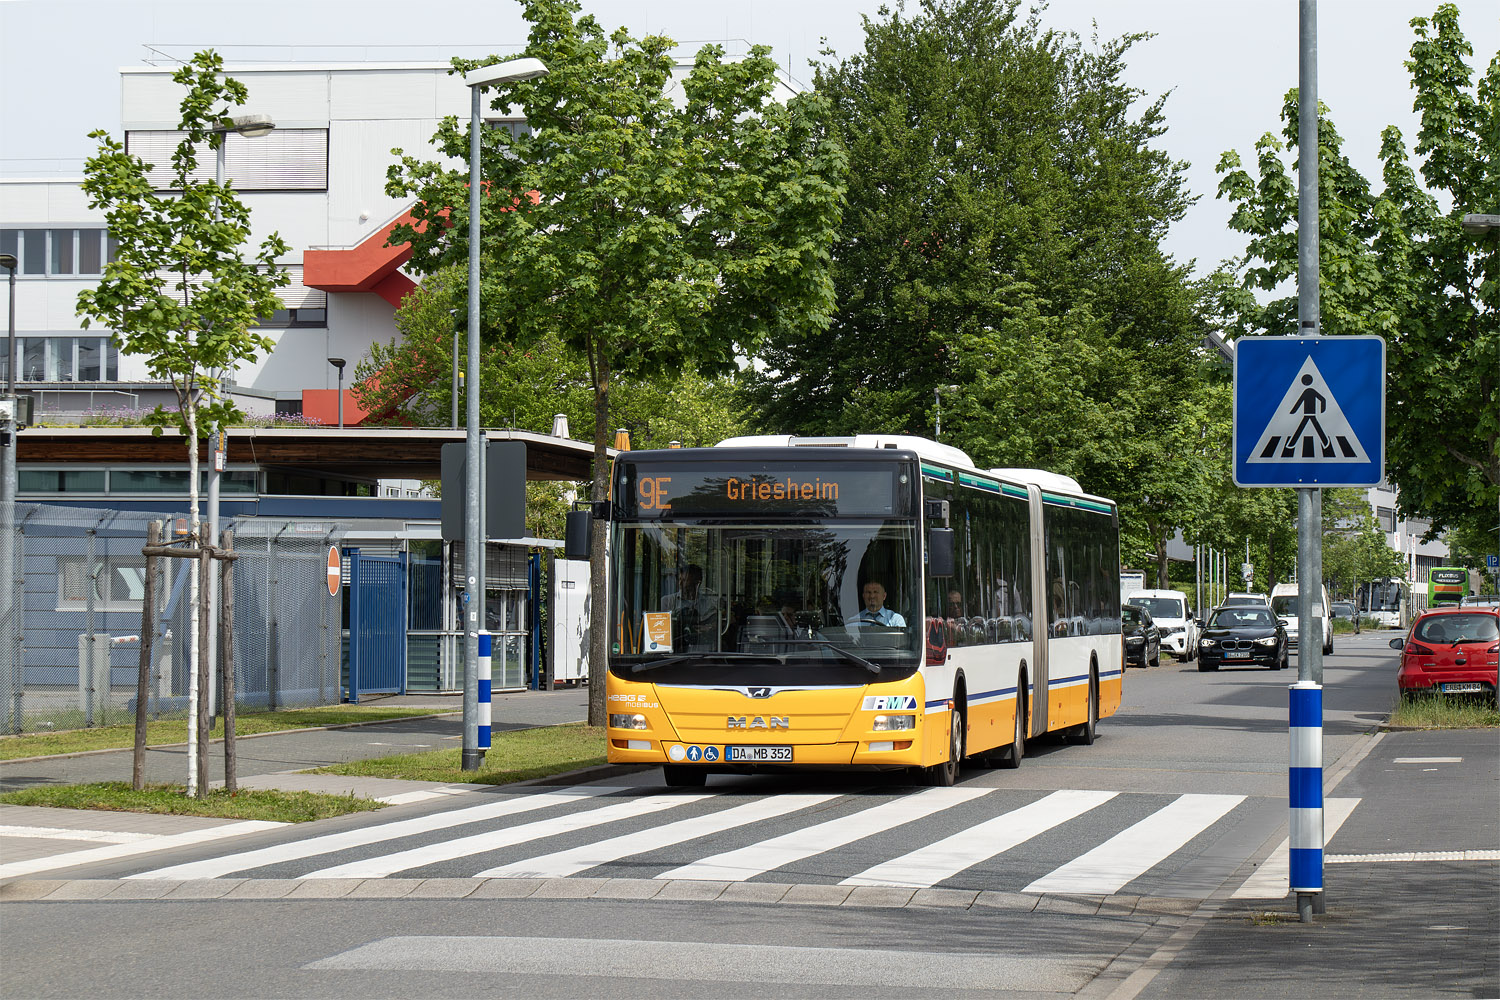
<point>1463,687</point>
<point>755,755</point>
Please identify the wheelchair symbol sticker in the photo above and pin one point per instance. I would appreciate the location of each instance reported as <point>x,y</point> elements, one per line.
<point>710,754</point>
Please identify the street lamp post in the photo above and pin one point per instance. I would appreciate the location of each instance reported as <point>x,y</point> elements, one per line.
<point>250,126</point>
<point>339,364</point>
<point>511,71</point>
<point>11,677</point>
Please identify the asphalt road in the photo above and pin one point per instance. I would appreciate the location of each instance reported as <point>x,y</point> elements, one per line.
<point>1184,745</point>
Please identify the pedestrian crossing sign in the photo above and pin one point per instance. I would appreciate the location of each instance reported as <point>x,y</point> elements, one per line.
<point>1309,411</point>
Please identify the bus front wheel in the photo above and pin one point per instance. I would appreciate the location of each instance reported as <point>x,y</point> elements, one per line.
<point>945,774</point>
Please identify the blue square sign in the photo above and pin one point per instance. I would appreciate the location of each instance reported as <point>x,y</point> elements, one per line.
<point>1309,411</point>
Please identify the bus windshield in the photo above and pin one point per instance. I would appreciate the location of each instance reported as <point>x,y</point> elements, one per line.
<point>829,602</point>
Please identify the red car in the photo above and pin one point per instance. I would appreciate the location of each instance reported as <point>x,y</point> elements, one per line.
<point>1450,650</point>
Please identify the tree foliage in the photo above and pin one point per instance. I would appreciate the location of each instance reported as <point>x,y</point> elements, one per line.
<point>180,292</point>
<point>1397,263</point>
<point>646,234</point>
<point>1006,204</point>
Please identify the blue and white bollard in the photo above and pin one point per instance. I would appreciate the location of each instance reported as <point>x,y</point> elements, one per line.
<point>1305,794</point>
<point>485,650</point>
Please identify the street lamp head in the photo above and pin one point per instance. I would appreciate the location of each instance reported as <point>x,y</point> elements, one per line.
<point>1480,225</point>
<point>8,261</point>
<point>250,126</point>
<point>337,363</point>
<point>512,71</point>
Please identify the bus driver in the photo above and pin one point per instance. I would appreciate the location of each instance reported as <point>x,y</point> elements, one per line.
<point>875,612</point>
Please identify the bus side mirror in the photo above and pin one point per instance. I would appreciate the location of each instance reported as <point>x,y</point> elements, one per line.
<point>940,552</point>
<point>578,529</point>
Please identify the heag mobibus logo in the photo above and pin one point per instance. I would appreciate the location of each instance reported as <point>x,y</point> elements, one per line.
<point>891,703</point>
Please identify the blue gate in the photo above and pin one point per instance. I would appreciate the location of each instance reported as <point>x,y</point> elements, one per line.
<point>377,625</point>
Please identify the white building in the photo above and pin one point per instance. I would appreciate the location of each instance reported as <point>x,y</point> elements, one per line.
<point>318,180</point>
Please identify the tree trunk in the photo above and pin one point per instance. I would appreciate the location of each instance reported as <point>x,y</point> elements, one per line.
<point>143,678</point>
<point>195,694</point>
<point>598,575</point>
<point>226,663</point>
<point>1163,577</point>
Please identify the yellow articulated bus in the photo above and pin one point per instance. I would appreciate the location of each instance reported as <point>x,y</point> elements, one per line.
<point>867,602</point>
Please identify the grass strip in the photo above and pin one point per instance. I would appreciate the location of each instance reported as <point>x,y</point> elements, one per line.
<point>520,755</point>
<point>1437,711</point>
<point>168,731</point>
<point>255,803</point>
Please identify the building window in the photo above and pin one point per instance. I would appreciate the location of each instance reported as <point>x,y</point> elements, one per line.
<point>1387,518</point>
<point>66,359</point>
<point>288,159</point>
<point>117,584</point>
<point>60,481</point>
<point>517,127</point>
<point>283,319</point>
<point>60,252</point>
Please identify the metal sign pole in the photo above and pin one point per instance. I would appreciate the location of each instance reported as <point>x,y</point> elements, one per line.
<point>1305,778</point>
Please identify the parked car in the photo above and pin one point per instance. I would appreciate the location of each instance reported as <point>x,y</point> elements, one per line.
<point>1243,599</point>
<point>1344,610</point>
<point>1242,636</point>
<point>1284,605</point>
<point>1450,650</point>
<point>1142,637</point>
<point>1169,610</point>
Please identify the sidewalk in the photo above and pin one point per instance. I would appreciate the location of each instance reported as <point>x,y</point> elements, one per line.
<point>36,839</point>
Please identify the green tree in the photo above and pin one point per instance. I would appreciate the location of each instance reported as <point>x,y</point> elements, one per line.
<point>1397,263</point>
<point>180,292</point>
<point>1006,205</point>
<point>659,236</point>
<point>1354,548</point>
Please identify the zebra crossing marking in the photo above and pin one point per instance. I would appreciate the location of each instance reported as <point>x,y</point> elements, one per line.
<point>298,849</point>
<point>926,866</point>
<point>756,859</point>
<point>1273,879</point>
<point>1134,851</point>
<point>479,843</point>
<point>564,863</point>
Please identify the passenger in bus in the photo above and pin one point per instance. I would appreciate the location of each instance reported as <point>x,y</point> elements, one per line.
<point>875,612</point>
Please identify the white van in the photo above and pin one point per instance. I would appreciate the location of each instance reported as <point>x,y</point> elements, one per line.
<point>1169,609</point>
<point>1284,606</point>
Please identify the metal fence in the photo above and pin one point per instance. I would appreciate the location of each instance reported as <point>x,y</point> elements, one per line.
<point>70,625</point>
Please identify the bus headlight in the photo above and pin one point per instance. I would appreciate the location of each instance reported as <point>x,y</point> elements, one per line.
<point>889,723</point>
<point>627,722</point>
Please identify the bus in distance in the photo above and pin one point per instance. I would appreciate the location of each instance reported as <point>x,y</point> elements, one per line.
<point>1446,585</point>
<point>868,602</point>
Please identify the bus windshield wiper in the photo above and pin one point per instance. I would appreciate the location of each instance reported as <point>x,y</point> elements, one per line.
<point>873,668</point>
<point>666,661</point>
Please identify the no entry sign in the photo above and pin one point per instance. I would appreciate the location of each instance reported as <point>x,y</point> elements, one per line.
<point>335,571</point>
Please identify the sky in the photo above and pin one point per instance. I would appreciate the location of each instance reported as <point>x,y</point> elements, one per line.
<point>1224,65</point>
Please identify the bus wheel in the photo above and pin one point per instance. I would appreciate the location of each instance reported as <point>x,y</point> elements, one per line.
<point>1083,733</point>
<point>1017,749</point>
<point>683,777</point>
<point>946,774</point>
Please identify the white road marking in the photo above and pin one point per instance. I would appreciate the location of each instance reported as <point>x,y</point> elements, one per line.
<point>447,850</point>
<point>1134,851</point>
<point>565,863</point>
<point>1359,859</point>
<point>929,865</point>
<point>67,833</point>
<point>748,862</point>
<point>1273,879</point>
<point>113,852</point>
<point>1427,760</point>
<point>295,850</point>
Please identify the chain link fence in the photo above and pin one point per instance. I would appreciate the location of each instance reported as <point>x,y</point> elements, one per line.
<point>70,626</point>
